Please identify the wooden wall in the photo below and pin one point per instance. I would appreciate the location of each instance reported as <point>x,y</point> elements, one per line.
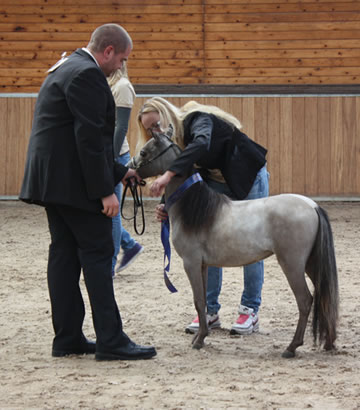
<point>198,45</point>
<point>313,142</point>
<point>190,41</point>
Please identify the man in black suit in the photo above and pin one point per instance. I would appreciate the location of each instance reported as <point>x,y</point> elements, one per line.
<point>70,170</point>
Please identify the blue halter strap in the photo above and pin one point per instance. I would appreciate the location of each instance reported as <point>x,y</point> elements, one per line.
<point>165,226</point>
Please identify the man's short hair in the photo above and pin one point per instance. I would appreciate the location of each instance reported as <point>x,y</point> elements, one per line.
<point>110,35</point>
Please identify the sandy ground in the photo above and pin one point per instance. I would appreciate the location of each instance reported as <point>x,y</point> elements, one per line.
<point>229,373</point>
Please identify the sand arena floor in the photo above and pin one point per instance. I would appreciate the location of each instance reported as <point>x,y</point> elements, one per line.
<point>229,373</point>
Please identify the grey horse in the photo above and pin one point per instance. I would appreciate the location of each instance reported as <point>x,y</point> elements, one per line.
<point>210,230</point>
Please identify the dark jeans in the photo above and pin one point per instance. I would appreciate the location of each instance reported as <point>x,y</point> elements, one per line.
<point>81,239</point>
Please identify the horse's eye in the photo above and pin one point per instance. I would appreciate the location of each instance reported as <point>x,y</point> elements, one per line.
<point>142,153</point>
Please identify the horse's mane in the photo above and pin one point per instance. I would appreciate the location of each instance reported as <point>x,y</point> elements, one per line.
<point>199,206</point>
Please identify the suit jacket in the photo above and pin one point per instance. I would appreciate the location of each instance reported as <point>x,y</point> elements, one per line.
<point>70,158</point>
<point>212,143</point>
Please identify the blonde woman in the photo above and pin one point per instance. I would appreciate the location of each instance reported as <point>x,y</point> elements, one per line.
<point>124,96</point>
<point>231,163</point>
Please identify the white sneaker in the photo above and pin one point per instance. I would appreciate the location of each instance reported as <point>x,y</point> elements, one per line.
<point>212,320</point>
<point>246,323</point>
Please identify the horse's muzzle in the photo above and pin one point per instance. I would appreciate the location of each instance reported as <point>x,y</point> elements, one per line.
<point>131,163</point>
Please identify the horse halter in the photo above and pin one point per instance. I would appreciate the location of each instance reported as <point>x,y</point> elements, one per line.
<point>132,162</point>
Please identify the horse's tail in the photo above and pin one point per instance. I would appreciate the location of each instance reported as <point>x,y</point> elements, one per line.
<point>325,279</point>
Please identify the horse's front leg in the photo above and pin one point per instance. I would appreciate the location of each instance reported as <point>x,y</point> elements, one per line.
<point>197,275</point>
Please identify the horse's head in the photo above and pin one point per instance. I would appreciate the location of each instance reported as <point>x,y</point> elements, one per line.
<point>155,156</point>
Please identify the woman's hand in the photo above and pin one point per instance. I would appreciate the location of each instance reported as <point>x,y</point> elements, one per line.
<point>160,213</point>
<point>160,183</point>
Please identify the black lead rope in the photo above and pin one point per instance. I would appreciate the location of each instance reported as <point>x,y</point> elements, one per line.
<point>135,189</point>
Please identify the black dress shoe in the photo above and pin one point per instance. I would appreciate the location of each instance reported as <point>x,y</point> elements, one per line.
<point>131,351</point>
<point>86,347</point>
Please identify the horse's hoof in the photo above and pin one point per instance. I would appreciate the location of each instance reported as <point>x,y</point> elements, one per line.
<point>197,346</point>
<point>329,346</point>
<point>288,355</point>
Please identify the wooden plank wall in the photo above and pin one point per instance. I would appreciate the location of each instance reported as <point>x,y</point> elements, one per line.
<point>313,142</point>
<point>190,41</point>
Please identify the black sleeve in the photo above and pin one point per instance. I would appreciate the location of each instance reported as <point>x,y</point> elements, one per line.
<point>198,133</point>
<point>122,122</point>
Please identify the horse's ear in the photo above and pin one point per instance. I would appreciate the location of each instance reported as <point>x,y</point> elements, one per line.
<point>156,137</point>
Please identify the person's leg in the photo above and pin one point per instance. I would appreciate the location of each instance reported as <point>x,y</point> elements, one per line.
<point>215,273</point>
<point>213,290</point>
<point>247,321</point>
<point>131,248</point>
<point>63,273</point>
<point>127,242</point>
<point>254,274</point>
<point>116,230</point>
<point>93,235</point>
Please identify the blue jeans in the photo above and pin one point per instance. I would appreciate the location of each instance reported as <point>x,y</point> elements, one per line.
<point>121,237</point>
<point>254,273</point>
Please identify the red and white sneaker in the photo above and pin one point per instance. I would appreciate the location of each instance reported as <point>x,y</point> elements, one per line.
<point>246,323</point>
<point>213,322</point>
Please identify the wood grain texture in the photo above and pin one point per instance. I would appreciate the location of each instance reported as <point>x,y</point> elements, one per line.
<point>190,42</point>
<point>313,142</point>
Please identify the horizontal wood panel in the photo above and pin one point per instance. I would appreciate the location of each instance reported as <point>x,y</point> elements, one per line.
<point>284,62</point>
<point>83,38</point>
<point>313,145</point>
<point>289,71</point>
<point>106,2</point>
<point>281,26</point>
<point>281,80</point>
<point>160,65</point>
<point>49,57</point>
<point>73,45</point>
<point>241,2</point>
<point>171,2</point>
<point>88,28</point>
<point>277,7</point>
<point>280,17</point>
<point>99,19</point>
<point>122,9</point>
<point>284,44</point>
<point>280,35</point>
<point>266,54</point>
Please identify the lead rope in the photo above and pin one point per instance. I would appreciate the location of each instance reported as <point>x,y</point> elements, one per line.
<point>136,193</point>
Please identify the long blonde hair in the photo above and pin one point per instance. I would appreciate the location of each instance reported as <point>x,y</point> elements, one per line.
<point>174,116</point>
<point>193,106</point>
<point>117,74</point>
<point>169,115</point>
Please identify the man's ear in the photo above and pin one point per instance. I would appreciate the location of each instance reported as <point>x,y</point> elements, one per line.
<point>108,52</point>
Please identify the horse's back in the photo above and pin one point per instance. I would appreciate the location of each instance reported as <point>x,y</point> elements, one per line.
<point>250,230</point>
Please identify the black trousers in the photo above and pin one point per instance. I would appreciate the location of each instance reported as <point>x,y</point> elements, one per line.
<point>81,239</point>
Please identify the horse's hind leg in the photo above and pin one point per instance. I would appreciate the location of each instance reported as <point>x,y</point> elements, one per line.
<point>297,282</point>
<point>198,280</point>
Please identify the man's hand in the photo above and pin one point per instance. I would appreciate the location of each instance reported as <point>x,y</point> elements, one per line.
<point>131,173</point>
<point>110,205</point>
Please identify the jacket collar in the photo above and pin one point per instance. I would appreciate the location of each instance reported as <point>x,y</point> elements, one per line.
<point>86,53</point>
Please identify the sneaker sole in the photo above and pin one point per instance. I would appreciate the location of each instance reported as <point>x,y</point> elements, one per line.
<point>253,329</point>
<point>119,269</point>
<point>190,330</point>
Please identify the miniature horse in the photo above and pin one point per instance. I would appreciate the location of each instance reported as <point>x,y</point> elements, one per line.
<point>208,229</point>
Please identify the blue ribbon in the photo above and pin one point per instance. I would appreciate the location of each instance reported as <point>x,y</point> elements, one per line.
<point>165,226</point>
